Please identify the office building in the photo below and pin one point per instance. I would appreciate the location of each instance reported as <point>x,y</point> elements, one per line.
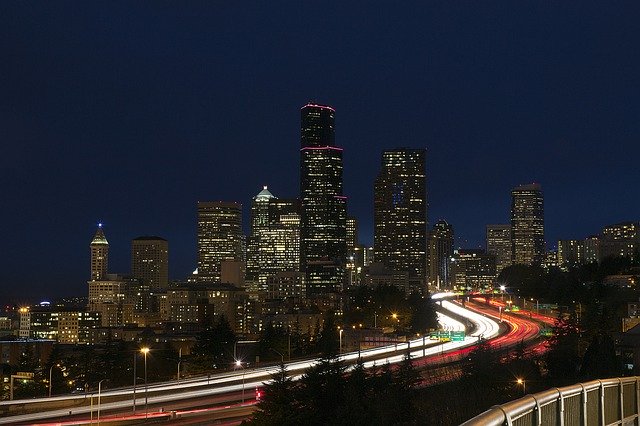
<point>440,253</point>
<point>400,214</point>
<point>150,261</point>
<point>99,255</point>
<point>620,239</point>
<point>219,237</point>
<point>570,254</point>
<point>323,205</point>
<point>592,249</point>
<point>499,245</point>
<point>527,225</point>
<point>473,269</point>
<point>274,241</point>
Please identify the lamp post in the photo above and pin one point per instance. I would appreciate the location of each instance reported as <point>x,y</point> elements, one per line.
<point>502,289</point>
<point>341,331</point>
<point>179,362</point>
<point>50,377</point>
<point>524,385</point>
<point>99,391</point>
<point>239,364</point>
<point>145,351</point>
<point>279,353</point>
<point>135,380</point>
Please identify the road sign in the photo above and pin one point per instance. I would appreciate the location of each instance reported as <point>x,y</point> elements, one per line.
<point>23,375</point>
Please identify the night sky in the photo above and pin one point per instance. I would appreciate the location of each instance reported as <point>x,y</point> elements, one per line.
<point>129,112</point>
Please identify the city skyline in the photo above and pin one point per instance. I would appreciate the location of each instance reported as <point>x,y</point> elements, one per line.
<point>134,133</point>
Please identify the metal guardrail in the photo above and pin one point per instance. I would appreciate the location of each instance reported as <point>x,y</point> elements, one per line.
<point>600,402</point>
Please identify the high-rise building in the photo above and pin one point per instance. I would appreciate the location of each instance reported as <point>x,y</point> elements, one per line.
<point>219,237</point>
<point>473,269</point>
<point>499,245</point>
<point>592,249</point>
<point>400,214</point>
<point>323,204</point>
<point>150,261</point>
<point>274,242</point>
<point>352,235</point>
<point>570,254</point>
<point>99,255</point>
<point>527,225</point>
<point>440,253</point>
<point>620,239</point>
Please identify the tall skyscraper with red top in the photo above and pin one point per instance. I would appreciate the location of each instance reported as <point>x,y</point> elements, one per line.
<point>323,204</point>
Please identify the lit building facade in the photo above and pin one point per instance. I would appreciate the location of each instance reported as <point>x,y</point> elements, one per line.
<point>440,253</point>
<point>473,269</point>
<point>527,225</point>
<point>219,237</point>
<point>620,239</point>
<point>99,255</point>
<point>499,245</point>
<point>400,214</point>
<point>323,205</point>
<point>150,261</point>
<point>570,254</point>
<point>274,242</point>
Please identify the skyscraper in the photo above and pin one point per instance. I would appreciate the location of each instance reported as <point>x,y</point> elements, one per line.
<point>323,205</point>
<point>150,261</point>
<point>274,241</point>
<point>99,255</point>
<point>527,225</point>
<point>400,213</point>
<point>219,237</point>
<point>499,245</point>
<point>440,253</point>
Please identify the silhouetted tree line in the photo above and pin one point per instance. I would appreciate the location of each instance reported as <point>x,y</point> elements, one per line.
<point>328,395</point>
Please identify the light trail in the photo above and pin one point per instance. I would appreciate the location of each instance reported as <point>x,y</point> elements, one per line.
<point>223,383</point>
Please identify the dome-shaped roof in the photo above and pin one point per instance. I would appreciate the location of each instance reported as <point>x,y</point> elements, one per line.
<point>264,195</point>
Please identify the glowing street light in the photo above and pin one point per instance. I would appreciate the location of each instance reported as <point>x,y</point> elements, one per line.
<point>145,351</point>
<point>239,364</point>
<point>524,385</point>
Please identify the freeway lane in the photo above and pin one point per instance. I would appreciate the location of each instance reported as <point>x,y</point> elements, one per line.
<point>120,400</point>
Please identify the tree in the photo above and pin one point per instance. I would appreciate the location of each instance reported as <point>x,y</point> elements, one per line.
<point>278,405</point>
<point>214,346</point>
<point>600,359</point>
<point>563,356</point>
<point>329,340</point>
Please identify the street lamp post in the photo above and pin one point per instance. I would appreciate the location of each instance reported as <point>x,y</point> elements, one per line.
<point>179,362</point>
<point>524,385</point>
<point>341,331</point>
<point>135,380</point>
<point>99,391</point>
<point>239,364</point>
<point>279,353</point>
<point>50,377</point>
<point>145,351</point>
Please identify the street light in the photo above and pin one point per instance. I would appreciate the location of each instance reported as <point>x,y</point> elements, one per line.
<point>279,353</point>
<point>99,390</point>
<point>524,385</point>
<point>239,364</point>
<point>179,362</point>
<point>145,351</point>
<point>51,376</point>
<point>502,289</point>
<point>341,331</point>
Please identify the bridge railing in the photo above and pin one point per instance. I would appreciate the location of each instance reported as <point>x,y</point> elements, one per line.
<point>600,402</point>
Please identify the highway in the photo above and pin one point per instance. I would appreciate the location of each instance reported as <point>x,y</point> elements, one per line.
<point>218,385</point>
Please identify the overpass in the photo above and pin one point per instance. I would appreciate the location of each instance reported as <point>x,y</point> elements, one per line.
<point>606,402</point>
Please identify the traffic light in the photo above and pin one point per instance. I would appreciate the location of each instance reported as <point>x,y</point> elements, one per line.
<point>258,394</point>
